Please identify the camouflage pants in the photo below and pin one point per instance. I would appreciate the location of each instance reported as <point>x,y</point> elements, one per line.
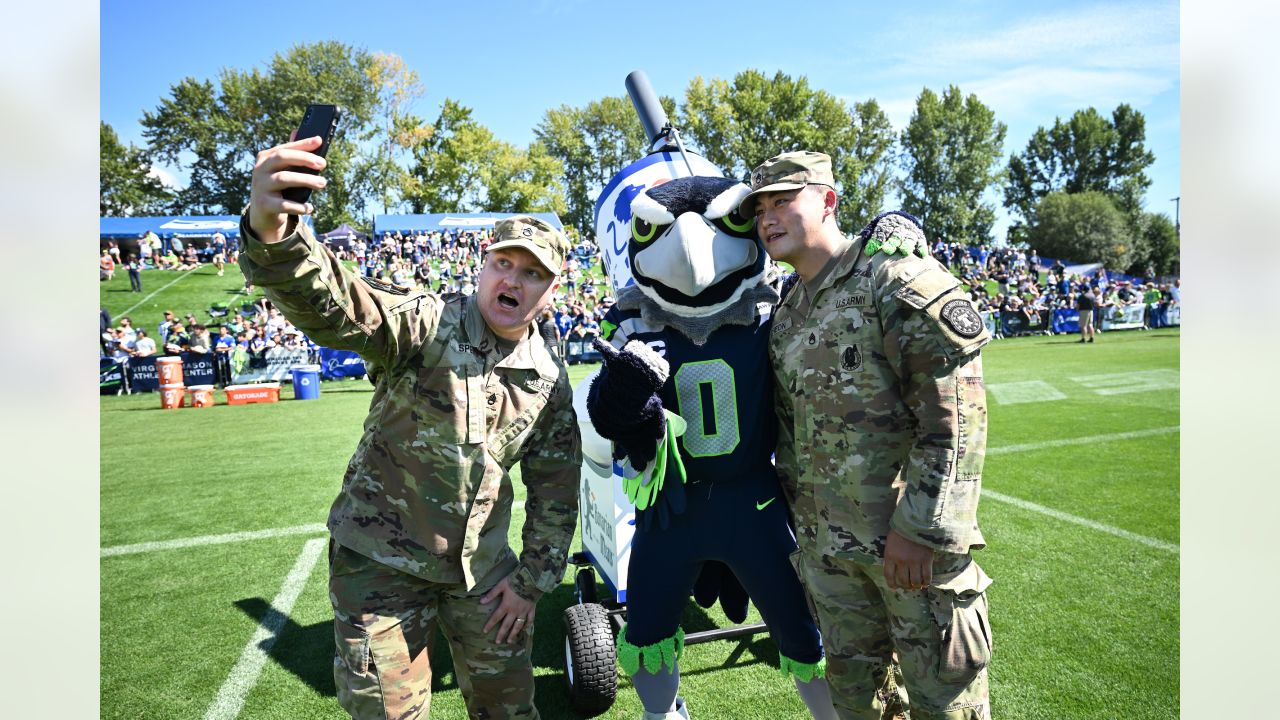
<point>383,627</point>
<point>941,634</point>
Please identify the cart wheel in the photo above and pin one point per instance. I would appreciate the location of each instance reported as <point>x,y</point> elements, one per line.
<point>590,659</point>
<point>585,583</point>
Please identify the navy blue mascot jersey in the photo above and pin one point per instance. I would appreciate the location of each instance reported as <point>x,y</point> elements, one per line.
<point>723,389</point>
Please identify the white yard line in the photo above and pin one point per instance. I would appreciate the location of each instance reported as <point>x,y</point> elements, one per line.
<point>1066,517</point>
<point>999,497</point>
<point>182,274</point>
<point>213,539</point>
<point>244,675</point>
<point>227,538</point>
<point>1088,440</point>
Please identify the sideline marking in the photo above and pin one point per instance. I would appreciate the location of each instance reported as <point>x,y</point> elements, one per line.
<point>1025,505</point>
<point>213,539</point>
<point>183,273</point>
<point>244,675</point>
<point>227,538</point>
<point>1088,440</point>
<point>1015,393</point>
<point>1130,382</point>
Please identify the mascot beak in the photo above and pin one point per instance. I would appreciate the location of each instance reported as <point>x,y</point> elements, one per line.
<point>692,255</point>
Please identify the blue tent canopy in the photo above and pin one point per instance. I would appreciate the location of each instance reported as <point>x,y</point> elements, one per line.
<point>183,226</point>
<point>448,222</point>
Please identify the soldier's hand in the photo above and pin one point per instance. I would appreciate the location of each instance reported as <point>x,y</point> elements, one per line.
<point>908,565</point>
<point>512,616</point>
<point>273,172</point>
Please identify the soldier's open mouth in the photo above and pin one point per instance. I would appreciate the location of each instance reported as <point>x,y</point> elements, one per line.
<point>508,302</point>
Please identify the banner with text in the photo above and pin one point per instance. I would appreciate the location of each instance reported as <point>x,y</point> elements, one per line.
<point>197,369</point>
<point>110,376</point>
<point>273,364</point>
<point>1015,322</point>
<point>1066,321</point>
<point>1125,317</point>
<point>340,364</point>
<point>989,320</point>
<point>142,374</point>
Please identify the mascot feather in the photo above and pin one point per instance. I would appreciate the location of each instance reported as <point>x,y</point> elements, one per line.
<point>685,395</point>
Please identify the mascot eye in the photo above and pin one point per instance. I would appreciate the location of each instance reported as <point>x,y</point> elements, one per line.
<point>733,222</point>
<point>642,230</point>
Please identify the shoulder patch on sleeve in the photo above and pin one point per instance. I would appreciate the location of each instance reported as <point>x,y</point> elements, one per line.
<point>962,317</point>
<point>926,287</point>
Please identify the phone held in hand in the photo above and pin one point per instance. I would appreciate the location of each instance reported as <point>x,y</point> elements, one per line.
<point>318,120</point>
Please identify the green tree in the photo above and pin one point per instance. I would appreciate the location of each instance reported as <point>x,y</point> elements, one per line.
<point>1081,227</point>
<point>951,150</point>
<point>1159,246</point>
<point>124,185</point>
<point>593,143</point>
<point>740,124</point>
<point>448,163</point>
<point>1086,152</point>
<point>379,170</point>
<point>524,181</point>
<point>217,131</point>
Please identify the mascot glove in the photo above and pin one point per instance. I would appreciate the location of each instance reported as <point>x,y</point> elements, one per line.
<point>623,401</point>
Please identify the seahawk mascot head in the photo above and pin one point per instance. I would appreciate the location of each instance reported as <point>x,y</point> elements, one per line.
<point>696,262</point>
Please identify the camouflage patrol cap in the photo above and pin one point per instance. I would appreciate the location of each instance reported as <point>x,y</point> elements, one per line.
<point>788,171</point>
<point>537,236</point>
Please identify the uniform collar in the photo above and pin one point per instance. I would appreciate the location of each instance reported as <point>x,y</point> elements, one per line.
<point>529,354</point>
<point>838,268</point>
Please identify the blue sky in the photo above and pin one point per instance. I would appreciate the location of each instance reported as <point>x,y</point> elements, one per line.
<point>511,61</point>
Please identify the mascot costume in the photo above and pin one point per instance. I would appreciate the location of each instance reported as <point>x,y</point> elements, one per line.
<point>685,395</point>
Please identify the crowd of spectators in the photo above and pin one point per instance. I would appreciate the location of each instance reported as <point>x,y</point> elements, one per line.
<point>441,262</point>
<point>1026,285</point>
<point>168,253</point>
<point>251,332</point>
<point>448,262</point>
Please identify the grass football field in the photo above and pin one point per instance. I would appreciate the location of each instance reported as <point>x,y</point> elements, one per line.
<point>213,579</point>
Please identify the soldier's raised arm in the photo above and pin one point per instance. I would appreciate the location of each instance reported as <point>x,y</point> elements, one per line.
<point>328,302</point>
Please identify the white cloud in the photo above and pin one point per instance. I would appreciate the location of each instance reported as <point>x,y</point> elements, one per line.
<point>167,178</point>
<point>1107,36</point>
<point>1027,91</point>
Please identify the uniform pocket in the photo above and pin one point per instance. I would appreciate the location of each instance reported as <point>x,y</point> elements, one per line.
<point>959,604</point>
<point>382,677</point>
<point>357,686</point>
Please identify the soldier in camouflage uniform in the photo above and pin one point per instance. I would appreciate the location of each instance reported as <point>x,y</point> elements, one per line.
<point>464,389</point>
<point>883,423</point>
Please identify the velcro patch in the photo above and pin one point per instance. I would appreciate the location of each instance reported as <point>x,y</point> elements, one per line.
<point>540,385</point>
<point>962,318</point>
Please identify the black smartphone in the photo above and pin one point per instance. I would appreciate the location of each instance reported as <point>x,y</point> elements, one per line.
<point>317,120</point>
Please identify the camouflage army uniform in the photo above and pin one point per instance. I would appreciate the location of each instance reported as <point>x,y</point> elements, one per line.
<point>883,421</point>
<point>419,529</point>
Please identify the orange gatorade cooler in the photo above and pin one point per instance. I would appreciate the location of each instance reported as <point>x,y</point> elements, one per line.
<point>255,393</point>
<point>201,395</point>
<point>169,369</point>
<point>172,396</point>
